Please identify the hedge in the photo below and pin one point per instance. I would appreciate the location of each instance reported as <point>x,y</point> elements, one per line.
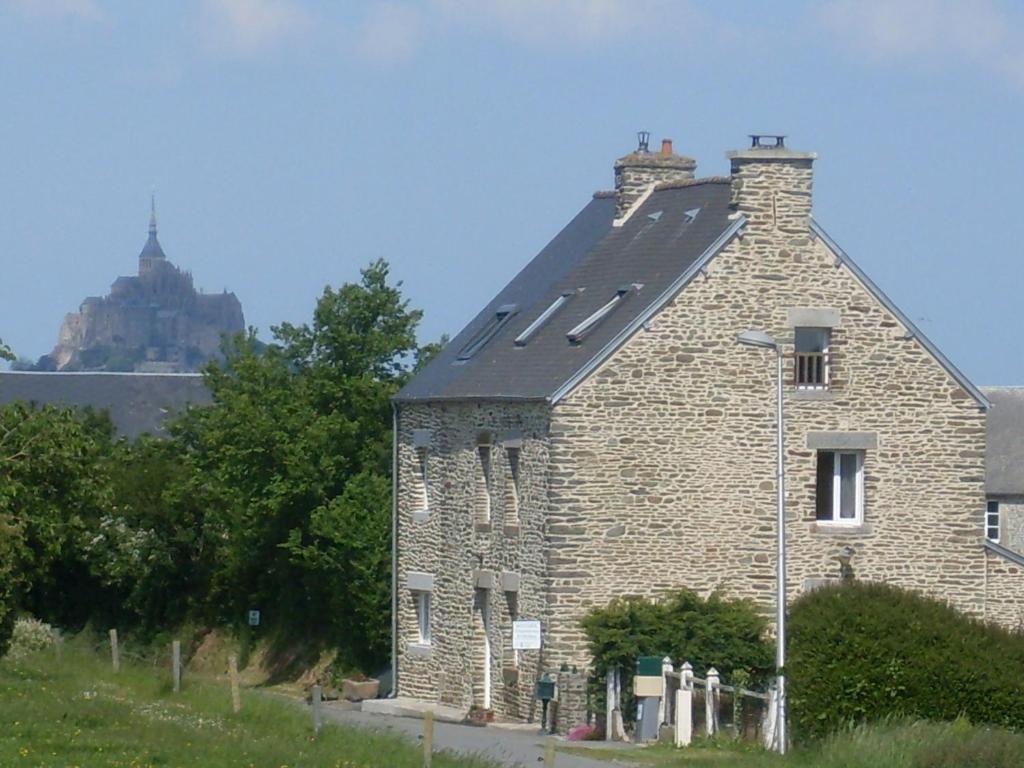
<point>862,651</point>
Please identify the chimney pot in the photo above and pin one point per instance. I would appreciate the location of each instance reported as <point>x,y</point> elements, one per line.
<point>666,147</point>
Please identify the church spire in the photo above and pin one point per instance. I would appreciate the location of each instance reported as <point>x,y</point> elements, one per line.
<point>152,214</point>
<point>151,251</point>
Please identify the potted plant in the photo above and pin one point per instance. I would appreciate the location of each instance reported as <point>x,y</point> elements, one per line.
<point>359,687</point>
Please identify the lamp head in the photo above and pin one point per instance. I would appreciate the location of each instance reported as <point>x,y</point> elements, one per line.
<point>757,339</point>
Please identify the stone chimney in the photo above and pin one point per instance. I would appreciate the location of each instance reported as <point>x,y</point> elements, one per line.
<point>639,171</point>
<point>771,185</point>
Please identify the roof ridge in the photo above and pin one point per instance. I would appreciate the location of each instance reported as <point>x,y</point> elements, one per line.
<point>678,183</point>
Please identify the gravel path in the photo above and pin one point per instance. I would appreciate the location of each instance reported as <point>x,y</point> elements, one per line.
<point>513,748</point>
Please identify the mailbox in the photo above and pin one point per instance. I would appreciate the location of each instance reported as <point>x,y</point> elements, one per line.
<point>546,688</point>
<point>648,666</point>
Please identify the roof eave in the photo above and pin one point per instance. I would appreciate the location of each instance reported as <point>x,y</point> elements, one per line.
<point>879,294</point>
<point>674,288</point>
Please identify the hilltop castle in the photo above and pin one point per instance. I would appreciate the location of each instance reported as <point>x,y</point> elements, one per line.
<point>153,322</point>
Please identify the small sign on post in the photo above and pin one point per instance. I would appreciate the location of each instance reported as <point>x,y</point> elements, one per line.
<point>526,635</point>
<point>254,618</point>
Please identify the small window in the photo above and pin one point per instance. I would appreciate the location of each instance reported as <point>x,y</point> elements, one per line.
<point>483,484</point>
<point>421,600</point>
<point>811,358</point>
<point>512,487</point>
<point>992,521</point>
<point>576,334</point>
<point>542,319</point>
<point>488,332</point>
<point>421,481</point>
<point>840,487</point>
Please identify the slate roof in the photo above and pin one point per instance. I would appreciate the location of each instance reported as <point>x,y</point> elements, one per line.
<point>137,402</point>
<point>152,248</point>
<point>591,261</point>
<point>1004,450</point>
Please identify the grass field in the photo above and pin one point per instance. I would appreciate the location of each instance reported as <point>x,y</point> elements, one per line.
<point>80,714</point>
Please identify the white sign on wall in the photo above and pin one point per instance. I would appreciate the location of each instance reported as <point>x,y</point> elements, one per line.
<point>526,635</point>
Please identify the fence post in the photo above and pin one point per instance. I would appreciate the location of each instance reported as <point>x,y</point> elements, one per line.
<point>317,698</point>
<point>684,706</point>
<point>711,703</point>
<point>549,752</point>
<point>115,657</point>
<point>666,670</point>
<point>236,697</point>
<point>428,738</point>
<point>176,664</point>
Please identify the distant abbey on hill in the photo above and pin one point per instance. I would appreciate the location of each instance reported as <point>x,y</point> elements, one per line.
<point>154,322</point>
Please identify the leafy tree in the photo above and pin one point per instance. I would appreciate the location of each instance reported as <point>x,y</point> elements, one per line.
<point>5,351</point>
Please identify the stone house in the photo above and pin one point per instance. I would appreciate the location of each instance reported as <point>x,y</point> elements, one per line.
<point>597,431</point>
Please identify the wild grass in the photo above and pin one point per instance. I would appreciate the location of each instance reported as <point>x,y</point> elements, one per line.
<point>79,714</point>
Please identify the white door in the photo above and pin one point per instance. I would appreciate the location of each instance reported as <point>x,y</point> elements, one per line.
<point>482,603</point>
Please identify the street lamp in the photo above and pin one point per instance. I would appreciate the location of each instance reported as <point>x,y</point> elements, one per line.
<point>762,340</point>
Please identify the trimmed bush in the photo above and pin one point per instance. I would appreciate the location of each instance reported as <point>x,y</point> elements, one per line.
<point>860,651</point>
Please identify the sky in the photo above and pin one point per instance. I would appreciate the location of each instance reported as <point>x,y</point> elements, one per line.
<point>291,142</point>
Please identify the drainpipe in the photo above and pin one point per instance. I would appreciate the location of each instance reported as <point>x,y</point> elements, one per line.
<point>394,550</point>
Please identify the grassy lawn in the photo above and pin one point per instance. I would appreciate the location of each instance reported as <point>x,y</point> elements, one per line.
<point>889,745</point>
<point>79,713</point>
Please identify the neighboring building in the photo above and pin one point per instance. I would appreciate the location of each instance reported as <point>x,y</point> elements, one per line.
<point>155,322</point>
<point>597,431</point>
<point>137,402</point>
<point>1004,468</point>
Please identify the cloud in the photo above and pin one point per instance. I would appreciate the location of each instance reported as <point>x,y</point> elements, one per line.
<point>981,33</point>
<point>247,26</point>
<point>391,32</point>
<point>561,22</point>
<point>56,9</point>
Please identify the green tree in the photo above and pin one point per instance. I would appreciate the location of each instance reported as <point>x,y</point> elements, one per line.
<point>5,351</point>
<point>293,463</point>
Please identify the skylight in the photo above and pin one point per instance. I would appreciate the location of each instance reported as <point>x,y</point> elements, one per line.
<point>576,335</point>
<point>488,332</point>
<point>544,316</point>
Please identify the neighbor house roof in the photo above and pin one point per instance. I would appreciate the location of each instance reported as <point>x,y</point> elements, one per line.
<point>137,402</point>
<point>1004,451</point>
<point>591,287</point>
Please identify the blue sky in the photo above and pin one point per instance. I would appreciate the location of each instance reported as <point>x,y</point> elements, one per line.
<point>290,142</point>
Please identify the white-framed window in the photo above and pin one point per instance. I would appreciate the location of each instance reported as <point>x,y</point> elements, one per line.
<point>839,494</point>
<point>421,599</point>
<point>810,358</point>
<point>421,481</point>
<point>992,521</point>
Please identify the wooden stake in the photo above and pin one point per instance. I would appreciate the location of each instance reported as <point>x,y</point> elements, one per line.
<point>549,752</point>
<point>236,697</point>
<point>176,664</point>
<point>428,738</point>
<point>317,698</point>
<point>115,657</point>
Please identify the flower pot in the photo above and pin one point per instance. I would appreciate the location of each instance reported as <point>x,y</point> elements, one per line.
<point>357,690</point>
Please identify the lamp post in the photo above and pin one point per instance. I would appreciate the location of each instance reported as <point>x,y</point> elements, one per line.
<point>762,340</point>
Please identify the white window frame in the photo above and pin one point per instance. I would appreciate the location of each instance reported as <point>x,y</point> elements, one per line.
<point>485,480</point>
<point>837,476</point>
<point>826,363</point>
<point>422,479</point>
<point>992,520</point>
<point>421,599</point>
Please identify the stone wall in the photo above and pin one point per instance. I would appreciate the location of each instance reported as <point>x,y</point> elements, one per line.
<point>1004,587</point>
<point>663,461</point>
<point>453,544</point>
<point>1011,523</point>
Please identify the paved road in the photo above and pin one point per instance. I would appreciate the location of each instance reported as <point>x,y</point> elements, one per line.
<point>513,748</point>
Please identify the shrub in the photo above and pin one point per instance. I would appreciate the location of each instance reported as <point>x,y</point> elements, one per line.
<point>860,651</point>
<point>30,636</point>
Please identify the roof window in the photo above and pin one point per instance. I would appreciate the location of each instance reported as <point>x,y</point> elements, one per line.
<point>544,316</point>
<point>488,332</point>
<point>577,334</point>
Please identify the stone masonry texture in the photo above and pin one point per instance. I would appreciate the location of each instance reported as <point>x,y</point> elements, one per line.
<point>658,471</point>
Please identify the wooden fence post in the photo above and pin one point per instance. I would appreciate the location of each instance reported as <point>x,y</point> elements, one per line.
<point>115,657</point>
<point>684,706</point>
<point>428,738</point>
<point>236,698</point>
<point>663,708</point>
<point>711,702</point>
<point>317,698</point>
<point>176,664</point>
<point>549,752</point>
